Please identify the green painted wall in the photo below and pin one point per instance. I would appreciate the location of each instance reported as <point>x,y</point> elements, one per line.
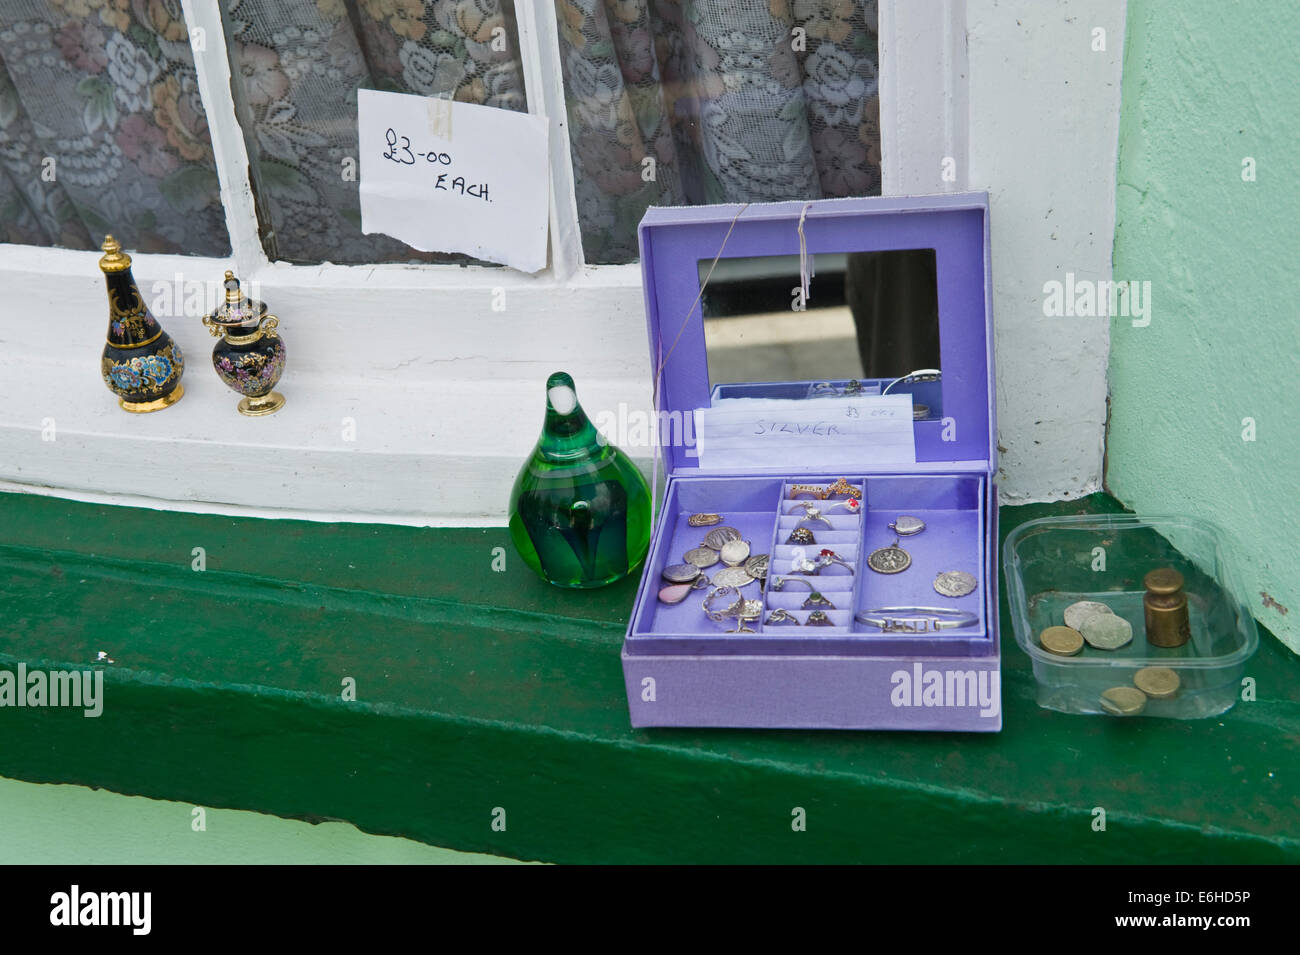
<point>1207,85</point>
<point>73,825</point>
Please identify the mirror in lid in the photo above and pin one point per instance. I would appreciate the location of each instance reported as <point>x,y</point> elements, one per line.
<point>867,323</point>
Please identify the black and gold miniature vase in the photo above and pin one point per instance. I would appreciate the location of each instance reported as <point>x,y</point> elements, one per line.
<point>250,356</point>
<point>141,364</point>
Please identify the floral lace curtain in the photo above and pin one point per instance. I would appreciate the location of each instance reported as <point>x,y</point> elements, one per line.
<point>102,130</point>
<point>733,100</point>
<point>297,66</point>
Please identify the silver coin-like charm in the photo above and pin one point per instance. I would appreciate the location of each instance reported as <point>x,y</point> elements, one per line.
<point>734,553</point>
<point>680,573</point>
<point>732,577</point>
<point>719,537</point>
<point>955,583</point>
<point>701,557</point>
<point>1078,613</point>
<point>1106,631</point>
<point>889,560</point>
<point>756,566</point>
<point>906,526</point>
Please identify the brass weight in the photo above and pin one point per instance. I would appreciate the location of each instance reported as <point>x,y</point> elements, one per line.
<point>1165,608</point>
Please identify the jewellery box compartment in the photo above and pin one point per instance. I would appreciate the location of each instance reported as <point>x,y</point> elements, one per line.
<point>762,511</point>
<point>1054,562</point>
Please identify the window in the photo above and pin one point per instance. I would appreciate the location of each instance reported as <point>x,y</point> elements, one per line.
<point>462,350</point>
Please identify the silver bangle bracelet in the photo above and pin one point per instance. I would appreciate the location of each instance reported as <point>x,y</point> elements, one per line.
<point>916,619</point>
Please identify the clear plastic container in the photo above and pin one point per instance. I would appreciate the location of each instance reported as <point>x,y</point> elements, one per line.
<point>1053,562</point>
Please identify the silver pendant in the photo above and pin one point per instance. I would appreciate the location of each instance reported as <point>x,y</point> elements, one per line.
<point>906,526</point>
<point>701,557</point>
<point>734,553</point>
<point>954,583</point>
<point>719,537</point>
<point>732,577</point>
<point>680,573</point>
<point>889,560</point>
<point>704,520</point>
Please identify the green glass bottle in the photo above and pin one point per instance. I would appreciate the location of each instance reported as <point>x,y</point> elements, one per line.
<point>580,509</point>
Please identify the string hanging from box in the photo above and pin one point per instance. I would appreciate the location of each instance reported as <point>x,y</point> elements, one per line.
<point>662,359</point>
<point>805,277</point>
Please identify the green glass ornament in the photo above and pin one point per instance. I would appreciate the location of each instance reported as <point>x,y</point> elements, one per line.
<point>580,509</point>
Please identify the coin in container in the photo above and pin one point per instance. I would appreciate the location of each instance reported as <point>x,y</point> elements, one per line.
<point>1159,683</point>
<point>1106,631</point>
<point>1077,613</point>
<point>701,557</point>
<point>704,520</point>
<point>1063,641</point>
<point>1123,701</point>
<point>756,566</point>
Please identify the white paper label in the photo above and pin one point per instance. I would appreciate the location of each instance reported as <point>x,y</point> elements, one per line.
<point>454,177</point>
<point>811,433</point>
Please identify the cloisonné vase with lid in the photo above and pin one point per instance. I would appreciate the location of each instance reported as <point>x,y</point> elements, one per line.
<point>140,362</point>
<point>579,509</point>
<point>250,355</point>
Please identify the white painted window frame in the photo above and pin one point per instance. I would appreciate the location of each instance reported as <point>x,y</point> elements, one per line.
<point>440,391</point>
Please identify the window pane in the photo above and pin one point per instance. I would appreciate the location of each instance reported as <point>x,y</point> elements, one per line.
<point>715,101</point>
<point>102,130</point>
<point>296,67</point>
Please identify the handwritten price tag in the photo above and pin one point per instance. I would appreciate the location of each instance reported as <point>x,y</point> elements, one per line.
<point>454,177</point>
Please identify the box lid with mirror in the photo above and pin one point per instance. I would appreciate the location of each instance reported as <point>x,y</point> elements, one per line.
<point>824,381</point>
<point>895,286</point>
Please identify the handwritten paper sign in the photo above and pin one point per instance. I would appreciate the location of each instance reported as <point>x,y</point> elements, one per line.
<point>741,433</point>
<point>454,177</point>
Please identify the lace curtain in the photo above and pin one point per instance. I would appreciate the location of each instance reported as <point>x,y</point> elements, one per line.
<point>101,128</point>
<point>668,103</point>
<point>297,66</point>
<point>702,101</point>
<point>107,90</point>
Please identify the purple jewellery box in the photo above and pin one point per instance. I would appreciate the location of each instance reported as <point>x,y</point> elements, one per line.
<point>824,445</point>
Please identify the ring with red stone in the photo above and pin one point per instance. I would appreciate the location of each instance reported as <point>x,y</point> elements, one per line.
<point>828,557</point>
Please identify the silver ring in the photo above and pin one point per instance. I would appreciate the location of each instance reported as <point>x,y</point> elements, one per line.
<point>782,618</point>
<point>816,600</point>
<point>780,582</point>
<point>828,557</point>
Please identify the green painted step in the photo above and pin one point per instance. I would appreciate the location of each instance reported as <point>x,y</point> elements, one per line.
<point>480,691</point>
